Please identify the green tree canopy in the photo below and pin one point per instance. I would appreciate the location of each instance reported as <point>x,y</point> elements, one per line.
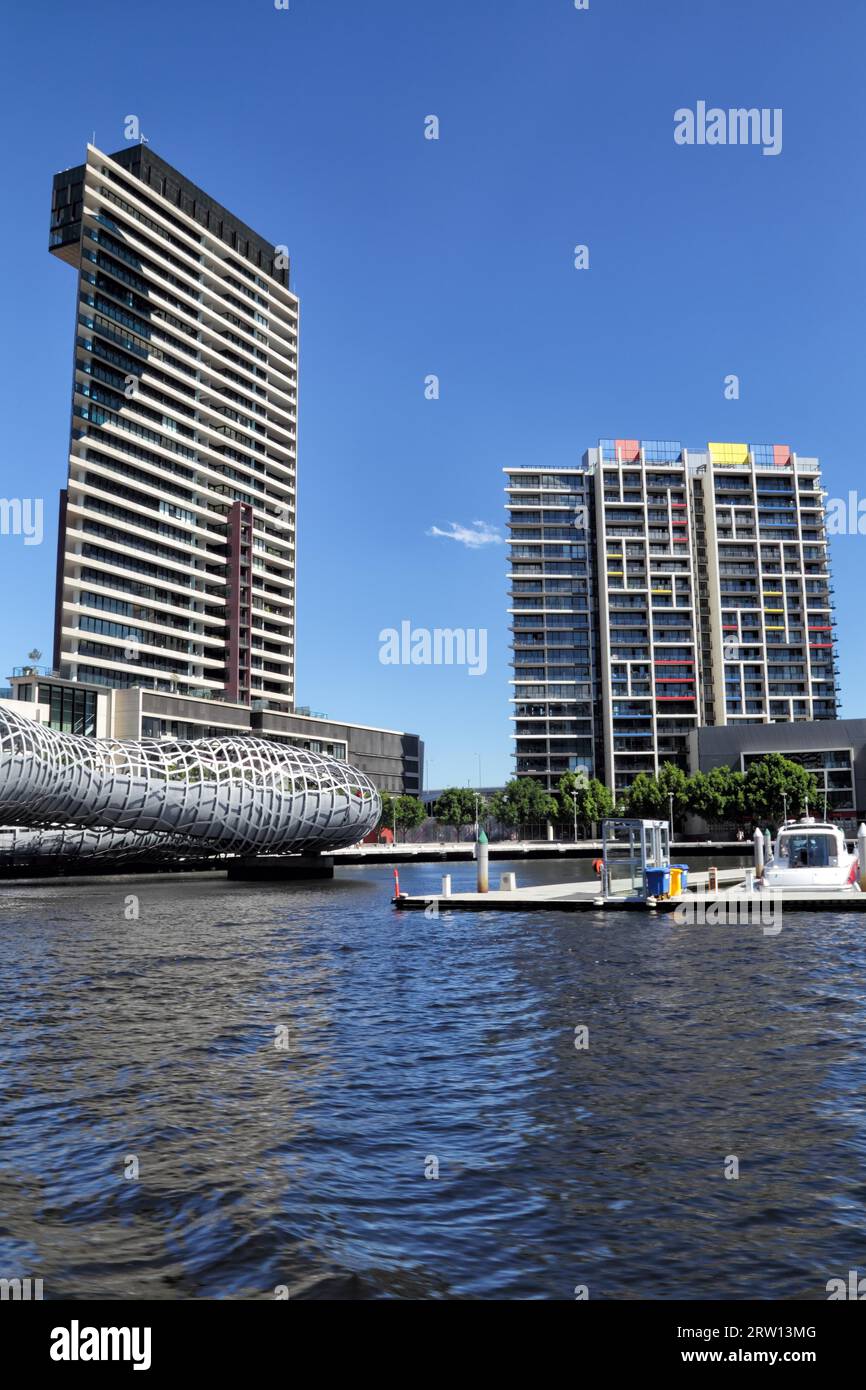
<point>672,780</point>
<point>643,798</point>
<point>716,795</point>
<point>456,806</point>
<point>523,801</point>
<point>387,816</point>
<point>768,778</point>
<point>588,797</point>
<point>604,799</point>
<point>409,812</point>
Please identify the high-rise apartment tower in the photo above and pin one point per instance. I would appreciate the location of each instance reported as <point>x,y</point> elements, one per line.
<point>176,554</point>
<point>693,585</point>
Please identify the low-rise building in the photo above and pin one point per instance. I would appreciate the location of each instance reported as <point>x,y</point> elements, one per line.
<point>393,759</point>
<point>834,749</point>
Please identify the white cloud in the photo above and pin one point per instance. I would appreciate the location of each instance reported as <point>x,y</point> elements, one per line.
<point>474,536</point>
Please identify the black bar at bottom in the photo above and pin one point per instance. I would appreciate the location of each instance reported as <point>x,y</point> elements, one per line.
<point>167,1338</point>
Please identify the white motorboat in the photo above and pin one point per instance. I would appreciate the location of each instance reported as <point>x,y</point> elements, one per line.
<point>811,856</point>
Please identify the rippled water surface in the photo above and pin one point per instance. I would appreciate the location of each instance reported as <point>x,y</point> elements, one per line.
<point>413,1040</point>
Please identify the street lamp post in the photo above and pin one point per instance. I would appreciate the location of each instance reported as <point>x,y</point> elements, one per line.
<point>574,804</point>
<point>671,822</point>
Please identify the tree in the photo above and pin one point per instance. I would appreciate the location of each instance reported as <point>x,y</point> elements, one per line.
<point>716,795</point>
<point>586,798</point>
<point>642,798</point>
<point>523,801</point>
<point>386,820</point>
<point>409,812</point>
<point>672,781</point>
<point>456,806</point>
<point>767,779</point>
<point>32,658</point>
<point>604,799</point>
<point>649,798</point>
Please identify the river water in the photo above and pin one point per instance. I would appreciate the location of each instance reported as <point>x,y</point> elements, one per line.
<point>254,1087</point>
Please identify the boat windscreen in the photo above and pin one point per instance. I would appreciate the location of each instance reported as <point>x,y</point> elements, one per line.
<point>808,850</point>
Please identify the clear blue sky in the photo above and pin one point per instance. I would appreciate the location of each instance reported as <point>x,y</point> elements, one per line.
<point>455,257</point>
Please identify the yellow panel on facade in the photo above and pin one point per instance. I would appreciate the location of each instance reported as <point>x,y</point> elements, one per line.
<point>729,455</point>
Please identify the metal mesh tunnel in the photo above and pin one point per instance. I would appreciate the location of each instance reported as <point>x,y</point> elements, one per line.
<point>224,795</point>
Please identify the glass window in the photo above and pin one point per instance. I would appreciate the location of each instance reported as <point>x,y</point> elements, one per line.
<point>808,850</point>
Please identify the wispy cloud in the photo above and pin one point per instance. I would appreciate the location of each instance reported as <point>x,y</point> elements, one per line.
<point>474,536</point>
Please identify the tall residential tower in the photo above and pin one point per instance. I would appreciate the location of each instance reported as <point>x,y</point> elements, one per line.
<point>176,555</point>
<point>175,598</point>
<point>695,585</point>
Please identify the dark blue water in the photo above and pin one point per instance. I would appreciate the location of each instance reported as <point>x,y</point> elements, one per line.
<point>412,1040</point>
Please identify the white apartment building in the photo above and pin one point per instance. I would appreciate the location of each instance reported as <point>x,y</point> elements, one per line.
<point>176,557</point>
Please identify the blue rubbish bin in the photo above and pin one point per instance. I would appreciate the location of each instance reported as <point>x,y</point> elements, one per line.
<point>658,882</point>
<point>684,870</point>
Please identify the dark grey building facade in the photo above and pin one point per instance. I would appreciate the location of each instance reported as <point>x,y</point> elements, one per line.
<point>834,749</point>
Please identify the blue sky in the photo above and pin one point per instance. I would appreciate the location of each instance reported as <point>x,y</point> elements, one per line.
<point>455,257</point>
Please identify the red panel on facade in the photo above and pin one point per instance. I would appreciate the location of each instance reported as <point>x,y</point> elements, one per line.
<point>239,545</point>
<point>627,449</point>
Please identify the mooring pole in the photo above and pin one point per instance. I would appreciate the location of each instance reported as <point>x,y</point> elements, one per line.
<point>481,848</point>
<point>758,839</point>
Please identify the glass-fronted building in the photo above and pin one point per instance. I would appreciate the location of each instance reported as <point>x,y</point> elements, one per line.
<point>657,589</point>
